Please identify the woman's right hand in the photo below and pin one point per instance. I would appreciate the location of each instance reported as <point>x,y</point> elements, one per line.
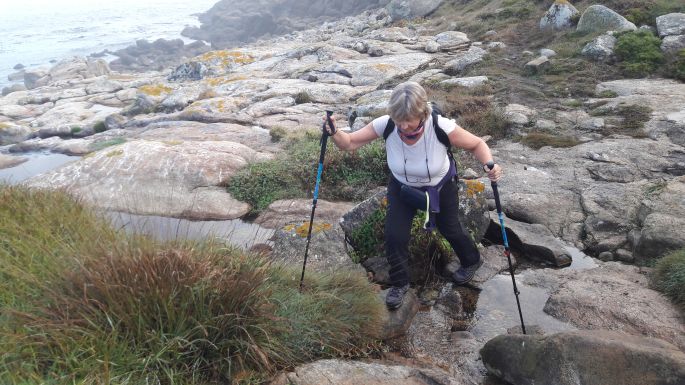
<point>329,130</point>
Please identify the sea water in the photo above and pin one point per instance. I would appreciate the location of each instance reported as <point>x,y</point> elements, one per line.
<point>36,32</point>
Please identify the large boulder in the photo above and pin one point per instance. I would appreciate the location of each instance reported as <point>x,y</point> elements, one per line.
<point>598,18</point>
<point>339,372</point>
<point>600,49</point>
<point>584,357</point>
<point>671,24</point>
<point>671,45</point>
<point>559,16</point>
<point>451,40</point>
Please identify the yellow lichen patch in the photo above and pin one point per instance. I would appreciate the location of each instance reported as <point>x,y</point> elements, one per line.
<point>474,187</point>
<point>562,2</point>
<point>383,67</point>
<point>4,126</point>
<point>155,89</point>
<point>172,142</point>
<point>115,153</point>
<point>215,82</point>
<point>303,229</point>
<point>227,58</point>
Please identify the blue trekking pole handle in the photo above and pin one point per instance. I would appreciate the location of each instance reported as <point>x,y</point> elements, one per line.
<point>507,252</point>
<point>322,155</point>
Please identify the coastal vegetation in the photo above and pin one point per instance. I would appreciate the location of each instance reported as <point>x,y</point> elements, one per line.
<point>84,303</point>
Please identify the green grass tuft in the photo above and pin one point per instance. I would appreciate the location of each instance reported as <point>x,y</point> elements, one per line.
<point>84,304</point>
<point>347,175</point>
<point>537,140</point>
<point>669,277</point>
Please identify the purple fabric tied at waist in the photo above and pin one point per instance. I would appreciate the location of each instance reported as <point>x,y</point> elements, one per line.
<point>417,196</point>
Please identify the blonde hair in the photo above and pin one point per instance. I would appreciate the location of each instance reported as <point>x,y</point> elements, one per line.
<point>408,101</point>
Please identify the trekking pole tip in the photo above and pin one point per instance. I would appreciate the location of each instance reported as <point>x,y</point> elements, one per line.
<point>490,164</point>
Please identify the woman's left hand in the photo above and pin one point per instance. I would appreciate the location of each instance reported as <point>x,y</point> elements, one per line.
<point>495,174</point>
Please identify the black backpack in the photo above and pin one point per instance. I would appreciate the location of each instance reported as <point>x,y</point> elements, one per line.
<point>439,132</point>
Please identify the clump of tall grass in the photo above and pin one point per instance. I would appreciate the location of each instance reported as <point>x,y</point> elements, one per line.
<point>85,304</point>
<point>669,277</point>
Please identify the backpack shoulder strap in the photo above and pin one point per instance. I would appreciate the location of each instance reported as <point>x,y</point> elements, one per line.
<point>388,129</point>
<point>440,133</point>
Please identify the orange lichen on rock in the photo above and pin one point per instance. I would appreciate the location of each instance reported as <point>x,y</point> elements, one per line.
<point>155,89</point>
<point>474,187</point>
<point>303,229</point>
<point>227,58</point>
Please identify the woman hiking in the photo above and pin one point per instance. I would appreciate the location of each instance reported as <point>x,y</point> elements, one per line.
<point>419,164</point>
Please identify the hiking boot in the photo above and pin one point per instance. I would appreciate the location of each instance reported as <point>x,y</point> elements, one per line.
<point>395,296</point>
<point>465,274</point>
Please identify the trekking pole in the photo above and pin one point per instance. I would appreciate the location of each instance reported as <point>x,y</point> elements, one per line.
<point>507,252</point>
<point>324,140</point>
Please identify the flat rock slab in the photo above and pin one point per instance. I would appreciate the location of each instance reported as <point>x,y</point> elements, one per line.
<point>7,161</point>
<point>283,212</point>
<point>339,372</point>
<point>175,179</point>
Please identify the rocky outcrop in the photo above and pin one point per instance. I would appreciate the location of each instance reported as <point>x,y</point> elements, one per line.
<point>584,357</point>
<point>155,56</point>
<point>65,70</point>
<point>232,22</point>
<point>598,18</point>
<point>338,372</point>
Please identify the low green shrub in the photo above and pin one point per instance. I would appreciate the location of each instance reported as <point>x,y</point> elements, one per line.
<point>639,52</point>
<point>634,119</point>
<point>303,97</point>
<point>676,68</point>
<point>84,304</point>
<point>99,127</point>
<point>669,277</point>
<point>277,133</point>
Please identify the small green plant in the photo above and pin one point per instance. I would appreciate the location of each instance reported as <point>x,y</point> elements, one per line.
<point>303,97</point>
<point>537,140</point>
<point>634,119</point>
<point>277,133</point>
<point>607,94</point>
<point>107,143</point>
<point>76,129</point>
<point>99,127</point>
<point>669,277</point>
<point>639,52</point>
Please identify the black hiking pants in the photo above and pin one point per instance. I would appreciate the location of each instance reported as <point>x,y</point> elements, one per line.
<point>398,221</point>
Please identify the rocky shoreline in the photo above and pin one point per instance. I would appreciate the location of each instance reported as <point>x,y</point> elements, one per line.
<point>167,142</point>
